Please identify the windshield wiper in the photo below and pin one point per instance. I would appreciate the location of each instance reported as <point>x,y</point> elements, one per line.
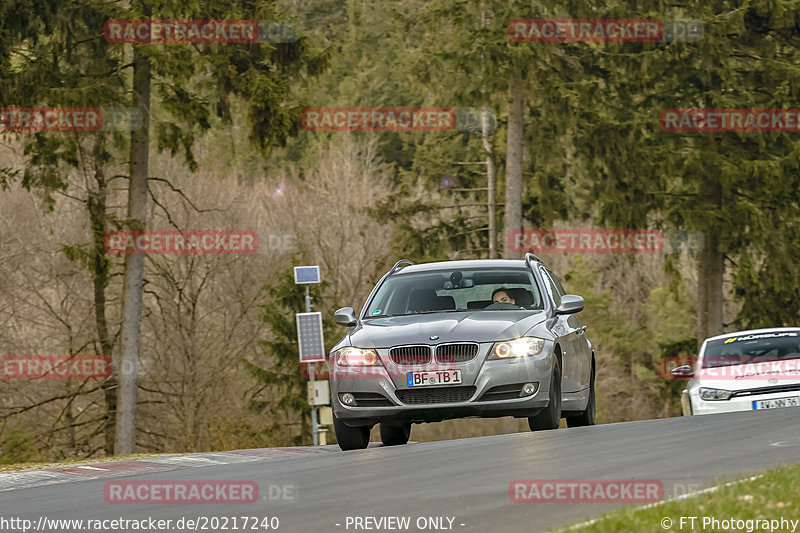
<point>420,313</point>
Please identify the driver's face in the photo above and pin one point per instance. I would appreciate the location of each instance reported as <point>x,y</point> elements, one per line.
<point>502,297</point>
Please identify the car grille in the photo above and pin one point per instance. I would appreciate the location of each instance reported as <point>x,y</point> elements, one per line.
<point>767,390</point>
<point>456,353</point>
<point>410,355</point>
<point>435,395</point>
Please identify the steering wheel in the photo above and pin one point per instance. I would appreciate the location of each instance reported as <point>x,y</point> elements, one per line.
<point>503,305</point>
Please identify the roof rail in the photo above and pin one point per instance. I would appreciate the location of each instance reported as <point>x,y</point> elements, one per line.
<point>406,262</point>
<point>529,256</point>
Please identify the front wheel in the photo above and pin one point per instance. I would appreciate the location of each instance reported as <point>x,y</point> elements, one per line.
<point>394,434</point>
<point>550,417</point>
<point>587,417</point>
<point>686,403</point>
<point>351,438</point>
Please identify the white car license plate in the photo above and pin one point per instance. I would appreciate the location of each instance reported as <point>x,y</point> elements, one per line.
<point>775,403</point>
<point>437,377</point>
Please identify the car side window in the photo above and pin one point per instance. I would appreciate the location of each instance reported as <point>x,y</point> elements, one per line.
<point>551,287</point>
<point>557,283</point>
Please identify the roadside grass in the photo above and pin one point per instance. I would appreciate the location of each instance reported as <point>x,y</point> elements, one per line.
<point>772,495</point>
<point>18,467</point>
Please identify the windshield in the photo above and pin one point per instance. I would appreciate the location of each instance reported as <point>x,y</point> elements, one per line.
<point>755,348</point>
<point>444,291</point>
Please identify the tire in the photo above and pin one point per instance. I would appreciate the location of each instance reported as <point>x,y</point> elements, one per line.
<point>587,417</point>
<point>550,417</point>
<point>394,434</point>
<point>686,404</point>
<point>351,438</point>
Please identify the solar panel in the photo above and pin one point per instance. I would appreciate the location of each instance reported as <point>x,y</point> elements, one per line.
<point>309,337</point>
<point>306,274</point>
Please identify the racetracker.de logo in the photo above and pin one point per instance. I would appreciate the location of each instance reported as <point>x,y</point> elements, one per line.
<point>188,492</point>
<point>378,119</point>
<point>586,241</point>
<point>561,30</point>
<point>742,368</point>
<point>670,363</point>
<point>586,490</point>
<point>181,31</point>
<point>37,119</point>
<point>197,31</point>
<point>728,120</point>
<point>30,119</point>
<point>181,242</point>
<point>55,366</point>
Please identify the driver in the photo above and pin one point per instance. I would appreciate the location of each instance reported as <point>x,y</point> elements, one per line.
<point>502,295</point>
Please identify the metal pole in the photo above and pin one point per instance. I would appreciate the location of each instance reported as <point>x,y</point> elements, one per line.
<point>314,430</point>
<point>491,180</point>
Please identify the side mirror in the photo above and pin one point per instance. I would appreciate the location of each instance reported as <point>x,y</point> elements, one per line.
<point>682,372</point>
<point>345,316</point>
<point>570,304</point>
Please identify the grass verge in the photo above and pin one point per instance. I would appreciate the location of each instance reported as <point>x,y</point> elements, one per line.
<point>772,496</point>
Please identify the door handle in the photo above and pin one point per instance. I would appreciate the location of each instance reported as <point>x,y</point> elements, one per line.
<point>582,330</point>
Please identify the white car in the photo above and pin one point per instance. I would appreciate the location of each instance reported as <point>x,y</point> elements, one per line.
<point>744,371</point>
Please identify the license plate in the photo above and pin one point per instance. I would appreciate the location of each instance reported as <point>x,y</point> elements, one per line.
<point>437,377</point>
<point>775,403</point>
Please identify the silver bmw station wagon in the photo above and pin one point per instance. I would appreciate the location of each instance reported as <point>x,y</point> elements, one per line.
<point>455,339</point>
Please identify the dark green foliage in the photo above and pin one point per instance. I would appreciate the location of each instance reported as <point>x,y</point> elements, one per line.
<point>283,382</point>
<point>748,58</point>
<point>18,446</point>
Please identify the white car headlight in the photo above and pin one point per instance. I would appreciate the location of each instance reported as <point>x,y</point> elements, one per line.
<point>714,394</point>
<point>522,347</point>
<point>352,356</point>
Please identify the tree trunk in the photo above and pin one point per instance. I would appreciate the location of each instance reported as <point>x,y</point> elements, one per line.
<point>710,271</point>
<point>134,263</point>
<point>513,207</point>
<point>491,180</point>
<point>100,274</point>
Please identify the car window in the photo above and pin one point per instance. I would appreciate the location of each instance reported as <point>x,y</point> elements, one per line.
<point>453,290</point>
<point>556,282</point>
<point>752,349</point>
<point>555,294</point>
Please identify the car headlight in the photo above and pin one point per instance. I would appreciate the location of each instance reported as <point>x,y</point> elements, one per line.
<point>522,347</point>
<point>714,394</point>
<point>352,356</point>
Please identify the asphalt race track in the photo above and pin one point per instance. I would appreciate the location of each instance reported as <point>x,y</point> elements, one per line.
<point>466,479</point>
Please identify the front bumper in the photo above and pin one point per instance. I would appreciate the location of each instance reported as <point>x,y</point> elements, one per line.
<point>479,376</point>
<point>740,403</point>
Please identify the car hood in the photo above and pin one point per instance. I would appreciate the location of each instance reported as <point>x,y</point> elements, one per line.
<point>466,326</point>
<point>750,376</point>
